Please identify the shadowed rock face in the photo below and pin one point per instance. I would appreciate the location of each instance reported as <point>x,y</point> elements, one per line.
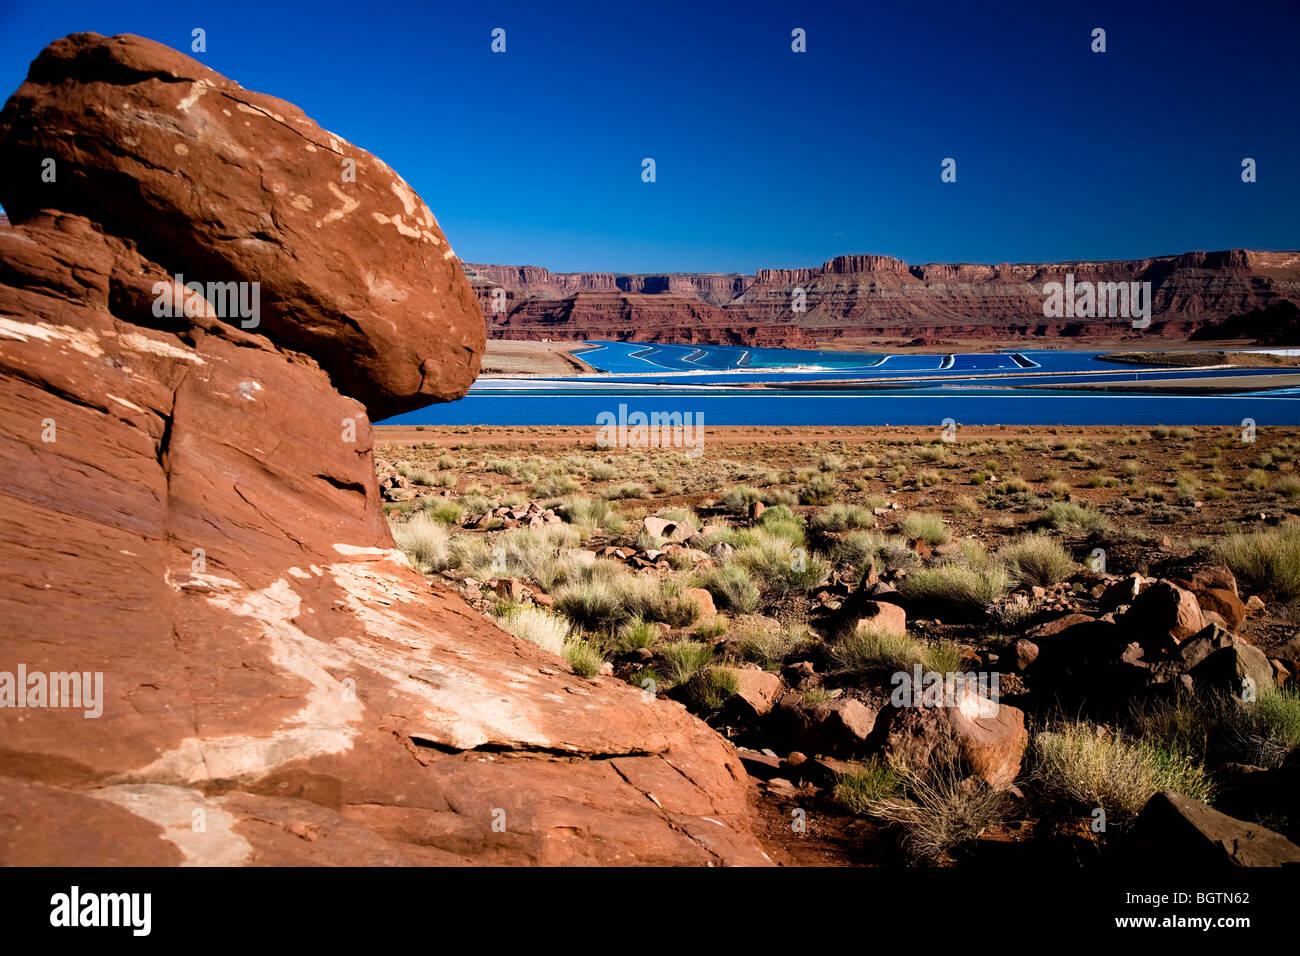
<point>189,507</point>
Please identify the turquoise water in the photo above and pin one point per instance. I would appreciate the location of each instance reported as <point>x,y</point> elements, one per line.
<point>971,389</point>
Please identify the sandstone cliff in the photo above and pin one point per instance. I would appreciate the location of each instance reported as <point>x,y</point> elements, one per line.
<point>880,296</point>
<point>190,511</point>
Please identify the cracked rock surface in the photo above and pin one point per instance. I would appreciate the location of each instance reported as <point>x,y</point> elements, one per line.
<point>190,509</point>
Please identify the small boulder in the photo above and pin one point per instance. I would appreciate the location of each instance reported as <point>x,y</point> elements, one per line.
<point>1224,603</point>
<point>988,741</point>
<point>1163,609</point>
<point>886,618</point>
<point>703,598</point>
<point>757,692</point>
<point>1023,653</point>
<point>839,726</point>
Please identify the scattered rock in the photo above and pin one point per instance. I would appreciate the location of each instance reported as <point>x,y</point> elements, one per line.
<point>1224,603</point>
<point>703,598</point>
<point>1024,652</point>
<point>757,692</point>
<point>1163,609</point>
<point>888,618</point>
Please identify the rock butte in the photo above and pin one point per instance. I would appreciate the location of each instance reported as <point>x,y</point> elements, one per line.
<point>203,533</point>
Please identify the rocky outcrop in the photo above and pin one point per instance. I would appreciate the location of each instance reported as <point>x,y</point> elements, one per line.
<point>190,514</point>
<point>880,296</point>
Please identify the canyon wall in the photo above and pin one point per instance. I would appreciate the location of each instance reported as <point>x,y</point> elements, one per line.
<point>869,296</point>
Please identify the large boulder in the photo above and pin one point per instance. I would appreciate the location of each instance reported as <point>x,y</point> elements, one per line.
<point>1180,831</point>
<point>218,184</point>
<point>189,509</point>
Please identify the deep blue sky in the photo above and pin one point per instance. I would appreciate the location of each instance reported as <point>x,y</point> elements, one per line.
<point>770,158</point>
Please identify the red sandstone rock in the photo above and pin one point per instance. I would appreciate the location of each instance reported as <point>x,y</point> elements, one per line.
<point>880,296</point>
<point>217,183</point>
<point>987,741</point>
<point>205,527</point>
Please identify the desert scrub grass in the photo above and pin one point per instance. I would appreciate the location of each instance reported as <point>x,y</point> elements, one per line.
<point>630,489</point>
<point>738,498</point>
<point>1036,559</point>
<point>815,695</point>
<point>787,528</point>
<point>679,514</point>
<point>525,553</point>
<point>710,628</point>
<point>712,687</point>
<point>779,496</point>
<point>733,587</point>
<point>537,626</point>
<point>1071,515</point>
<point>1288,487</point>
<point>593,513</point>
<point>943,657</point>
<point>766,644</point>
<point>667,486</point>
<point>1059,490</point>
<point>956,588</point>
<point>584,657</point>
<point>863,548</point>
<point>555,486</point>
<point>841,517</point>
<point>1187,489</point>
<point>942,809</point>
<point>831,463</point>
<point>601,471</point>
<point>868,648</point>
<point>819,489</point>
<point>440,509</point>
<point>1219,729</point>
<point>593,594</point>
<point>1072,762</point>
<point>865,786</point>
<point>780,566</point>
<point>1256,480</point>
<point>426,542</point>
<point>1266,561</point>
<point>930,528</point>
<point>684,659</point>
<point>926,478</point>
<point>1277,714</point>
<point>636,633</point>
<point>779,513</point>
